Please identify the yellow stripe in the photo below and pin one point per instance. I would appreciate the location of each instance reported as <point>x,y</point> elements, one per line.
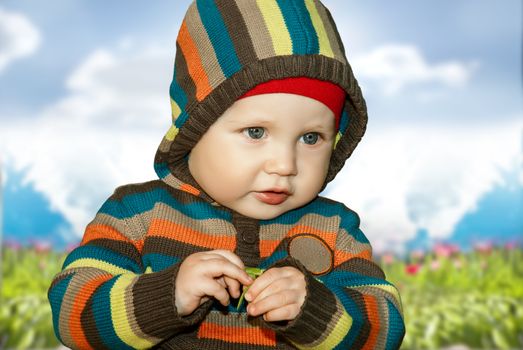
<point>325,45</point>
<point>110,268</point>
<point>281,39</point>
<point>175,109</point>
<point>119,314</point>
<point>171,133</point>
<point>338,138</point>
<point>336,336</point>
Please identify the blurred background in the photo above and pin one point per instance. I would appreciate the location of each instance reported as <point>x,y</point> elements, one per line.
<point>437,179</point>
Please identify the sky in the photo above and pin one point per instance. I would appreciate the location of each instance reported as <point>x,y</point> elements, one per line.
<point>84,104</point>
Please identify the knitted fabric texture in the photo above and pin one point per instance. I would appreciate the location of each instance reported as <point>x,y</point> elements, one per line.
<point>117,290</point>
<point>331,95</point>
<point>226,48</point>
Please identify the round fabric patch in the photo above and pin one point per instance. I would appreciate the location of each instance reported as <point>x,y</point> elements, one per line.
<point>313,252</point>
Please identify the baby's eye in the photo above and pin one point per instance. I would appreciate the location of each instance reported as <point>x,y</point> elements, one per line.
<point>255,132</point>
<point>310,138</point>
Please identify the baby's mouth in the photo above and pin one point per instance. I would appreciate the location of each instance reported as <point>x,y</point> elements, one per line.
<point>272,197</point>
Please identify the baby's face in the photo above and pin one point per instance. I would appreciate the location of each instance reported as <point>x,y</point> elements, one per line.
<point>266,155</point>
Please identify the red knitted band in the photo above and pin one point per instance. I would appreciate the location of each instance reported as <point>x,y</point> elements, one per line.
<point>330,94</point>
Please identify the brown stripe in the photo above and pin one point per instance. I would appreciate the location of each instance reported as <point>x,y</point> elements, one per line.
<point>362,266</point>
<point>332,32</point>
<point>238,31</point>
<point>92,334</point>
<point>169,247</point>
<point>183,78</point>
<point>138,188</point>
<point>362,337</point>
<point>257,29</point>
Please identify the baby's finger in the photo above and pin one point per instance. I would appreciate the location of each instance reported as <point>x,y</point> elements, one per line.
<point>215,289</point>
<point>233,286</point>
<point>262,282</point>
<point>235,259</point>
<point>286,313</point>
<point>221,267</point>
<point>222,282</point>
<point>272,302</point>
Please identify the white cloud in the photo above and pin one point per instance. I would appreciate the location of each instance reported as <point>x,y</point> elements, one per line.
<point>103,134</point>
<point>18,37</point>
<point>401,179</point>
<point>394,67</point>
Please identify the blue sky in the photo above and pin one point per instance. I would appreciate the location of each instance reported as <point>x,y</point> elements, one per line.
<point>84,104</point>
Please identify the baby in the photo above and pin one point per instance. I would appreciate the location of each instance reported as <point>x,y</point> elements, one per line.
<point>265,112</point>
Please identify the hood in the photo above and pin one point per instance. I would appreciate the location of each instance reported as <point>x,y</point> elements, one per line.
<point>226,47</point>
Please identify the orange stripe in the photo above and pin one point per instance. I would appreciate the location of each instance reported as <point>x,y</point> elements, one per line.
<point>97,231</point>
<point>250,335</point>
<point>75,325</point>
<point>171,230</point>
<point>267,247</point>
<point>194,63</point>
<point>371,306</point>
<point>190,189</point>
<point>340,256</point>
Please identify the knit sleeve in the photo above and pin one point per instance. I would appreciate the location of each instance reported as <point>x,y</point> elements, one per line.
<point>104,298</point>
<point>352,306</point>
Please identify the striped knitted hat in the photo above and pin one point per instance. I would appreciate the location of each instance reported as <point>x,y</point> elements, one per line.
<point>227,47</point>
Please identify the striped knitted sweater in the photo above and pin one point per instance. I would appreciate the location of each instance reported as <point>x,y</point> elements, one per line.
<point>117,289</point>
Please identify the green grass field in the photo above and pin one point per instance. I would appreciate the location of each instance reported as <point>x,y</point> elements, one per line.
<point>472,299</point>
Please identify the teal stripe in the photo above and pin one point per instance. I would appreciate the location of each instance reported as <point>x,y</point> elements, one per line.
<point>159,262</point>
<point>161,169</point>
<point>275,257</point>
<point>355,313</point>
<point>299,24</point>
<point>344,121</point>
<point>351,279</point>
<point>177,93</point>
<point>56,296</point>
<point>396,329</point>
<point>104,255</point>
<point>101,306</point>
<point>219,37</point>
<point>145,201</point>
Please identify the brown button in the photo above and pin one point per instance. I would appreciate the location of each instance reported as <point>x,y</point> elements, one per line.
<point>249,237</point>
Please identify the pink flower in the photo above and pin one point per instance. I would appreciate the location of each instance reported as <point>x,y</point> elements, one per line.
<point>445,250</point>
<point>42,246</point>
<point>435,264</point>
<point>511,245</point>
<point>387,258</point>
<point>417,254</point>
<point>484,247</point>
<point>412,269</point>
<point>13,245</point>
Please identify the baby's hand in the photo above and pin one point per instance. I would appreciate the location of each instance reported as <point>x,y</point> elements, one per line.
<point>208,274</point>
<point>277,294</point>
